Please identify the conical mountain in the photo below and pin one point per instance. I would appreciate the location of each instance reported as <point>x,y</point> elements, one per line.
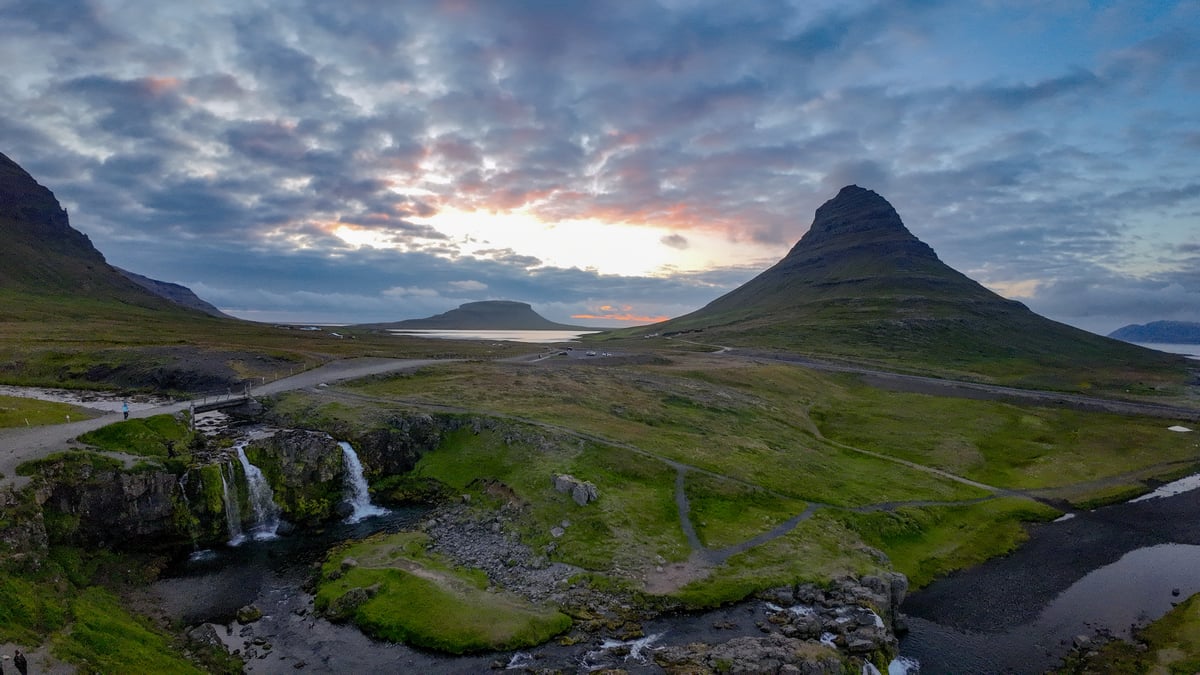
<point>860,286</point>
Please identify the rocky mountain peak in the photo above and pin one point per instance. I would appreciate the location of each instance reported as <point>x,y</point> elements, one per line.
<point>23,199</point>
<point>858,216</point>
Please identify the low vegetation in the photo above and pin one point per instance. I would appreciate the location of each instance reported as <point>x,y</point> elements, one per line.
<point>1170,645</point>
<point>1001,444</point>
<point>72,601</point>
<point>928,542</point>
<point>159,436</point>
<point>394,589</point>
<point>28,412</point>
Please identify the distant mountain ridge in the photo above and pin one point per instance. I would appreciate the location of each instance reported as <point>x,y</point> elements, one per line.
<point>859,285</point>
<point>176,293</point>
<point>483,315</point>
<point>42,255</point>
<point>1165,332</point>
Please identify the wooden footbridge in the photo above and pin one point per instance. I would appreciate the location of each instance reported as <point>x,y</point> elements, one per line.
<point>216,400</point>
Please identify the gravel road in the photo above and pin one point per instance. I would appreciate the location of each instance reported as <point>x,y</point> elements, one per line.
<point>19,444</point>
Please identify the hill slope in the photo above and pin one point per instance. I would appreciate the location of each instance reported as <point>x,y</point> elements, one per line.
<point>485,315</point>
<point>176,293</point>
<point>1177,332</point>
<point>858,285</point>
<point>45,262</point>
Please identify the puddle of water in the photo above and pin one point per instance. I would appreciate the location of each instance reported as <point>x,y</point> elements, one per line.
<point>1171,489</point>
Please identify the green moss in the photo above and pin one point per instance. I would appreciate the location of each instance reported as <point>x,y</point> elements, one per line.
<point>103,637</point>
<point>926,543</point>
<point>28,610</point>
<point>148,436</point>
<point>70,463</point>
<point>420,599</point>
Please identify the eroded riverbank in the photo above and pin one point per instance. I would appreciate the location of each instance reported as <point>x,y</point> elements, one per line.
<point>1099,572</point>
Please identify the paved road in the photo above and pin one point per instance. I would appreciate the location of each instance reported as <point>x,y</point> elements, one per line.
<point>21,444</point>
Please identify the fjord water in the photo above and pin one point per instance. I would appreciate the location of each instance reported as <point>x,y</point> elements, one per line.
<point>1190,351</point>
<point>530,336</point>
<point>1101,570</point>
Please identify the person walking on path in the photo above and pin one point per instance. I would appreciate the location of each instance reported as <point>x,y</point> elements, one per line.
<point>20,663</point>
<point>125,409</point>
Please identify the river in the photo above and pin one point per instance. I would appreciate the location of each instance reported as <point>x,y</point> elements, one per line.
<point>210,586</point>
<point>1100,570</point>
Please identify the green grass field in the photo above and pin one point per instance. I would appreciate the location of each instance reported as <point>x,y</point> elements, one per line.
<point>16,411</point>
<point>420,599</point>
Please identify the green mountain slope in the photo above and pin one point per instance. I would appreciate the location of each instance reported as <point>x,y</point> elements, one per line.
<point>859,286</point>
<point>44,257</point>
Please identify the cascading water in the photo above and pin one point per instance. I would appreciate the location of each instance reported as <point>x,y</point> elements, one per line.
<point>233,513</point>
<point>357,493</point>
<point>262,499</point>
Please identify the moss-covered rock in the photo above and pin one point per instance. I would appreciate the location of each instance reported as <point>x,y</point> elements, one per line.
<point>87,499</point>
<point>305,471</point>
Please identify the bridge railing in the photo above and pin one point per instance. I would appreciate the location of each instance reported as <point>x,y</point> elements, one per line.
<point>221,395</point>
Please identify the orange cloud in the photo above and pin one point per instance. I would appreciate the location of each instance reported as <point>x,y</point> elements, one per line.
<point>632,318</point>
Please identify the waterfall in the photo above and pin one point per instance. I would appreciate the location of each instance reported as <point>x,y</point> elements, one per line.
<point>233,513</point>
<point>262,500</point>
<point>356,487</point>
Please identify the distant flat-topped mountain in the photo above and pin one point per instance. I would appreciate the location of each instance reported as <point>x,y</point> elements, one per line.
<point>1167,332</point>
<point>859,285</point>
<point>43,256</point>
<point>485,315</point>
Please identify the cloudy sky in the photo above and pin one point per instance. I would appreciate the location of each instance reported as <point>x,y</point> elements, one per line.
<point>610,162</point>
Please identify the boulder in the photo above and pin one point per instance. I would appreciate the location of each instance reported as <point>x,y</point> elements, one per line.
<point>581,491</point>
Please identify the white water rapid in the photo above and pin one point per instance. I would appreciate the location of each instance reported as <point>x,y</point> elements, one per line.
<point>233,513</point>
<point>357,493</point>
<point>262,499</point>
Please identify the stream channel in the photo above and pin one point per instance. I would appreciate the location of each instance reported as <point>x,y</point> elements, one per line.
<point>1102,570</point>
<point>212,585</point>
<point>1099,570</point>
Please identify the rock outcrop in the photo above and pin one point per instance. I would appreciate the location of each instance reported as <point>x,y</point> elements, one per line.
<point>810,629</point>
<point>305,471</point>
<point>773,653</point>
<point>581,491</point>
<point>90,500</point>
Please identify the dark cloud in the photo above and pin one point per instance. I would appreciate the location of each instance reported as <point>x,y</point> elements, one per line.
<point>675,241</point>
<point>221,134</point>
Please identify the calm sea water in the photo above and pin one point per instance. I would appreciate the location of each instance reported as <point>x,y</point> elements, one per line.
<point>531,336</point>
<point>1192,351</point>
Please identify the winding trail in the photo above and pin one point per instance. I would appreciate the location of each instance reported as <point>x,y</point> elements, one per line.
<point>702,558</point>
<point>22,444</point>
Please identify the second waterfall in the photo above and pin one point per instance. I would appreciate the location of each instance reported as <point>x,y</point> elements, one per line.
<point>357,493</point>
<point>263,510</point>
